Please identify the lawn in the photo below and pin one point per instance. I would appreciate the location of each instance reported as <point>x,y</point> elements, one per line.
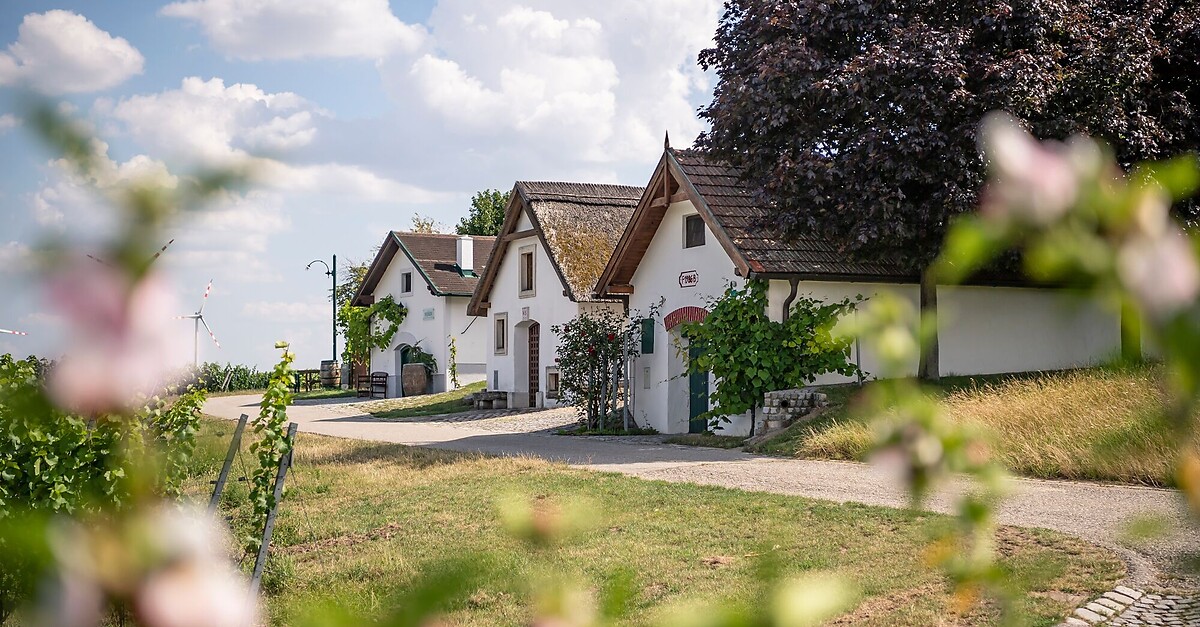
<point>324,393</point>
<point>363,520</point>
<point>426,404</point>
<point>1094,424</point>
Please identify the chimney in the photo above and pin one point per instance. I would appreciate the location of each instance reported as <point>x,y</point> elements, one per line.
<point>466,253</point>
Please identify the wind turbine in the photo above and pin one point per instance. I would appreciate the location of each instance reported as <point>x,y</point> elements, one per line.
<point>198,318</point>
<point>10,332</point>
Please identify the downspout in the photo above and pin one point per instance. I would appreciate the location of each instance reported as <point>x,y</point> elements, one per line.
<point>787,302</point>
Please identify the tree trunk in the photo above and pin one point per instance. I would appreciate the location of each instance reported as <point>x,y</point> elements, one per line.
<point>1131,335</point>
<point>928,369</point>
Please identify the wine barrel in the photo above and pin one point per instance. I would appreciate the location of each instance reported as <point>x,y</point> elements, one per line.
<point>330,373</point>
<point>414,379</point>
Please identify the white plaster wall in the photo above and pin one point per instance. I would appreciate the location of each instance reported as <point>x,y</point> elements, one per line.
<point>432,336</point>
<point>656,282</point>
<point>989,330</point>
<point>548,306</point>
<point>470,334</point>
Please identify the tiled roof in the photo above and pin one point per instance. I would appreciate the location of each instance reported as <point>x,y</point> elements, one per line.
<point>733,207</point>
<point>436,255</point>
<point>581,224</point>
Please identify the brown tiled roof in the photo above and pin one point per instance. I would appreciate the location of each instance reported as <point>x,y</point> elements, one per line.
<point>732,205</point>
<point>436,256</point>
<point>580,224</point>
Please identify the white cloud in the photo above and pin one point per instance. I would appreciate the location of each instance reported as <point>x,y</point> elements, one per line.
<point>295,29</point>
<point>15,257</point>
<point>595,84</point>
<point>311,311</point>
<point>60,52</point>
<point>8,121</point>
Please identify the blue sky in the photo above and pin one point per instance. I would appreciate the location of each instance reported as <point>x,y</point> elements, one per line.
<point>369,112</point>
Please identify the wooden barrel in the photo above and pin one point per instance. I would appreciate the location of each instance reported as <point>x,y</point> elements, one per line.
<point>331,374</point>
<point>414,379</point>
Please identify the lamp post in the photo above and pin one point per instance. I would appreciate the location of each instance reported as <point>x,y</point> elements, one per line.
<point>332,273</point>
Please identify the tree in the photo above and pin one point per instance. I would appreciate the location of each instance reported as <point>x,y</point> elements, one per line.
<point>749,354</point>
<point>486,215</point>
<point>858,119</point>
<point>426,224</point>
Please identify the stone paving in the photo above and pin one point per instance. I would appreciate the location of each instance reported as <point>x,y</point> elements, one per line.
<point>1127,606</point>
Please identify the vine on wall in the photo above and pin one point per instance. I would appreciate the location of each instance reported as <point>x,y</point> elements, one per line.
<point>371,327</point>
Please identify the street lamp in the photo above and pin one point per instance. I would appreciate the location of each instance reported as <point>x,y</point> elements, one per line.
<point>332,273</point>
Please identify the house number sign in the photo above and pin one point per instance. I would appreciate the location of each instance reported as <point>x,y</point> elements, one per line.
<point>689,278</point>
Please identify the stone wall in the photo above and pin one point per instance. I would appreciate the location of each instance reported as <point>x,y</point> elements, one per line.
<point>783,407</point>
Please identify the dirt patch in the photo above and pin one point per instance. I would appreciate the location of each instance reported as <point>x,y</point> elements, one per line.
<point>380,533</point>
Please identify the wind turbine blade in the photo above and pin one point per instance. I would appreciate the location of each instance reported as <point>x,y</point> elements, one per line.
<point>204,301</point>
<point>13,332</point>
<point>210,333</point>
<point>99,260</point>
<point>184,317</point>
<point>162,250</point>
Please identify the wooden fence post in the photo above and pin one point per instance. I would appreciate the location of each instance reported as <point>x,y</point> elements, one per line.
<point>285,462</point>
<point>234,445</point>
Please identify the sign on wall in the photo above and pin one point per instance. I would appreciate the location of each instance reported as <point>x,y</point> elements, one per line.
<point>689,278</point>
<point>524,313</point>
<point>427,314</point>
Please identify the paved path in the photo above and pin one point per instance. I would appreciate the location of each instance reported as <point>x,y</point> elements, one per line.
<point>1091,511</point>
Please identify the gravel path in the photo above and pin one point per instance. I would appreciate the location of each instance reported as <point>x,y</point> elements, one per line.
<point>1092,511</point>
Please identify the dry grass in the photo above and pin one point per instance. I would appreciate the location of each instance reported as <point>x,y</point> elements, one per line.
<point>362,521</point>
<point>1096,424</point>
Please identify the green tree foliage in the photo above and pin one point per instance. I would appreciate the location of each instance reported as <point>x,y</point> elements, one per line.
<point>590,348</point>
<point>858,120</point>
<point>750,354</point>
<point>272,443</point>
<point>373,326</point>
<point>426,224</point>
<point>211,377</point>
<point>486,215</point>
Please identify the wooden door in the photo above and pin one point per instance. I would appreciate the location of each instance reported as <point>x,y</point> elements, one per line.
<point>535,331</point>
<point>697,396</point>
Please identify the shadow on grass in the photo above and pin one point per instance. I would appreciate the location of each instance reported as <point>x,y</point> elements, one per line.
<point>415,458</point>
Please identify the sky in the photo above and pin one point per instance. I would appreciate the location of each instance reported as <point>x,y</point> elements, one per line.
<point>366,112</point>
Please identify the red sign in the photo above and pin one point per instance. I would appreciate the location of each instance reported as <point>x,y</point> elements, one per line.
<point>689,278</point>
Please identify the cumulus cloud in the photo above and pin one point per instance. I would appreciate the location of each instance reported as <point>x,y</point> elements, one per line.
<point>596,83</point>
<point>60,52</point>
<point>295,29</point>
<point>15,257</point>
<point>8,121</point>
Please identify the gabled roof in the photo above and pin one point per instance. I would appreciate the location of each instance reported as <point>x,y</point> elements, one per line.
<point>435,256</point>
<point>728,208</point>
<point>577,223</point>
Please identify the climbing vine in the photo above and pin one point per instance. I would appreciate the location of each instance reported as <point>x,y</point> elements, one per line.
<point>749,354</point>
<point>173,427</point>
<point>365,328</point>
<point>272,443</point>
<point>452,365</point>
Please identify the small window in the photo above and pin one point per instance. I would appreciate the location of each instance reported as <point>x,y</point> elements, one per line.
<point>647,336</point>
<point>501,334</point>
<point>406,283</point>
<point>551,382</point>
<point>693,231</point>
<point>527,271</point>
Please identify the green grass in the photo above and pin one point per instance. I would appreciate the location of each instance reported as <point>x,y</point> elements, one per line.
<point>613,431</point>
<point>427,404</point>
<point>1093,424</point>
<point>325,393</point>
<point>362,521</point>
<point>707,439</point>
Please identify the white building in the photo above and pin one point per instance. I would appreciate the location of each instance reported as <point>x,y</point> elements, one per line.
<point>434,278</point>
<point>555,241</point>
<point>694,232</point>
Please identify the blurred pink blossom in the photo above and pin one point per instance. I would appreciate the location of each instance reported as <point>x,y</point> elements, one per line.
<point>120,343</point>
<point>1160,271</point>
<point>1032,183</point>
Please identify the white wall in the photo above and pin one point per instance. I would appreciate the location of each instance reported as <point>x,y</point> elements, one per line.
<point>432,336</point>
<point>548,306</point>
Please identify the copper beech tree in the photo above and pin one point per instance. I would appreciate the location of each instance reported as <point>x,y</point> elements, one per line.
<point>857,119</point>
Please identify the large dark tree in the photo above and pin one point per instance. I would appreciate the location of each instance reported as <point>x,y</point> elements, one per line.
<point>857,119</point>
<point>486,216</point>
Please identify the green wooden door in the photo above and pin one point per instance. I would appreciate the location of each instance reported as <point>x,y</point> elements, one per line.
<point>697,396</point>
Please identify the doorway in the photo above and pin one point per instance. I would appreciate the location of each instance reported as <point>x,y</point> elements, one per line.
<point>535,332</point>
<point>697,395</point>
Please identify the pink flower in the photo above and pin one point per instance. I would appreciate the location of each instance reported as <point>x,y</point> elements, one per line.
<point>1160,271</point>
<point>121,342</point>
<point>1031,183</point>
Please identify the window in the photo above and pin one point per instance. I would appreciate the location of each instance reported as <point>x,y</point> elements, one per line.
<point>551,382</point>
<point>647,336</point>
<point>501,334</point>
<point>693,231</point>
<point>527,269</point>
<point>406,283</point>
